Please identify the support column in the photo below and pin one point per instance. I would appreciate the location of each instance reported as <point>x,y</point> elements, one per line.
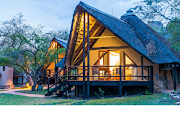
<point>151,82</point>
<point>142,67</point>
<point>174,75</point>
<point>56,75</point>
<point>88,49</point>
<point>120,82</point>
<point>66,77</point>
<point>84,84</point>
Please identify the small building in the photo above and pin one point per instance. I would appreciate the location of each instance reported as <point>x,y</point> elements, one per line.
<point>49,69</point>
<point>6,77</point>
<point>116,54</point>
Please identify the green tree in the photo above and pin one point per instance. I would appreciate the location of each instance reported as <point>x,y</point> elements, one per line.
<point>173,29</point>
<point>166,11</point>
<point>26,48</point>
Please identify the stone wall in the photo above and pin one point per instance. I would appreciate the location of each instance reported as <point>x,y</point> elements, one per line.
<point>159,85</point>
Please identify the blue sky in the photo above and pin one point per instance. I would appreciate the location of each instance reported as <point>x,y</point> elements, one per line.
<point>57,14</point>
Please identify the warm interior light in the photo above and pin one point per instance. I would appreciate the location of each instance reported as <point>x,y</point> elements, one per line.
<point>27,85</point>
<point>114,59</point>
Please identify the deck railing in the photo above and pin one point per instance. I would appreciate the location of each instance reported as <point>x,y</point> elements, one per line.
<point>110,73</point>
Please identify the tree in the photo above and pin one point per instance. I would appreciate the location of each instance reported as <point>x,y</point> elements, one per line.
<point>173,29</point>
<point>166,11</point>
<point>26,48</point>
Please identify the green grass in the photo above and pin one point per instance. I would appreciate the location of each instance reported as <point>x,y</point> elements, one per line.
<point>2,90</point>
<point>156,99</point>
<point>9,99</point>
<point>43,92</point>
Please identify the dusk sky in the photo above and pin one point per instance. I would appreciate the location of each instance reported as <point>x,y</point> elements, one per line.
<point>57,14</point>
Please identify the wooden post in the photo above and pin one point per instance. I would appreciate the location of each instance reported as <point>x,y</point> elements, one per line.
<point>120,83</point>
<point>66,77</point>
<point>174,75</point>
<point>22,81</point>
<point>48,85</point>
<point>84,84</point>
<point>151,82</point>
<point>88,48</point>
<point>148,75</point>
<point>56,75</point>
<point>75,90</point>
<point>142,66</point>
<point>44,75</point>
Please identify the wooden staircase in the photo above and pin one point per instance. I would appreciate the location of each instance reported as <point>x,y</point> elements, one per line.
<point>60,83</point>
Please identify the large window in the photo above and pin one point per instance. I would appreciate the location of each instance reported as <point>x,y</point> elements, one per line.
<point>130,71</point>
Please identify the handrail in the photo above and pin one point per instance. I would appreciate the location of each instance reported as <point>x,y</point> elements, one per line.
<point>58,78</point>
<point>109,66</point>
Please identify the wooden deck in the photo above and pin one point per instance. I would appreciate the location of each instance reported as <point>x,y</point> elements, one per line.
<point>110,83</point>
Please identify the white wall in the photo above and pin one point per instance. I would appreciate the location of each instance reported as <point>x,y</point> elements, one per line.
<point>135,56</point>
<point>7,76</point>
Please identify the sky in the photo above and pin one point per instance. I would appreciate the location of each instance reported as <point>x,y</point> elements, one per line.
<point>57,14</point>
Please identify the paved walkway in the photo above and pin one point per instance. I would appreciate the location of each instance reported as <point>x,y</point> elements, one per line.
<point>14,91</point>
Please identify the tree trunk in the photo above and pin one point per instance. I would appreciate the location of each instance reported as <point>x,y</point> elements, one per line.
<point>34,86</point>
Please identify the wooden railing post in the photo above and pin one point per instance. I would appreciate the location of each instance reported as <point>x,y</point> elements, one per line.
<point>151,82</point>
<point>120,83</point>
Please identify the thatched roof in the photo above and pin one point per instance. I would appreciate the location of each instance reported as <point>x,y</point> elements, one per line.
<point>135,33</point>
<point>63,43</point>
<point>61,63</point>
<point>60,41</point>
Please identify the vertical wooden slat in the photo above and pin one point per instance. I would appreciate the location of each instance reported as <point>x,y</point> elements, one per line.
<point>120,83</point>
<point>84,86</point>
<point>88,62</point>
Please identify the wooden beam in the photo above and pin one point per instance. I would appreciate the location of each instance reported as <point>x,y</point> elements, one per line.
<point>85,35</point>
<point>113,47</point>
<point>88,62</point>
<point>84,70</point>
<point>98,37</point>
<point>85,45</point>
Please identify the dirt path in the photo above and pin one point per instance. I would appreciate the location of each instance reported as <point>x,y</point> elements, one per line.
<point>14,91</point>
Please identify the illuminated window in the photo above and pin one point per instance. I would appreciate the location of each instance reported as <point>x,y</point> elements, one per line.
<point>3,68</point>
<point>102,61</point>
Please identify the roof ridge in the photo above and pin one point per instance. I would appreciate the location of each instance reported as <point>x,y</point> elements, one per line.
<point>61,39</point>
<point>95,9</point>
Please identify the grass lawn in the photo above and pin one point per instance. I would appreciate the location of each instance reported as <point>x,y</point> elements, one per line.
<point>156,99</point>
<point>2,90</point>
